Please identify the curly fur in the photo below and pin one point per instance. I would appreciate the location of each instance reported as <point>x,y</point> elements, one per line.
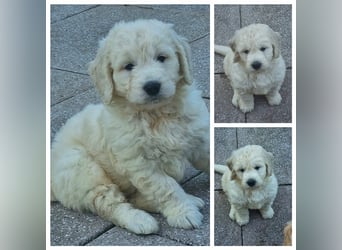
<point>127,155</point>
<point>249,182</point>
<point>254,64</point>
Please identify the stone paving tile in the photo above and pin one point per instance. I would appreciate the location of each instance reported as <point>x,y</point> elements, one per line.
<point>120,237</point>
<point>275,140</point>
<point>59,13</point>
<point>278,17</point>
<point>226,112</point>
<point>258,231</point>
<point>72,82</point>
<point>73,228</point>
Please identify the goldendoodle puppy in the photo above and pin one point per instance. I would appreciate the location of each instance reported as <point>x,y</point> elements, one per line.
<point>127,155</point>
<point>249,182</point>
<point>254,65</point>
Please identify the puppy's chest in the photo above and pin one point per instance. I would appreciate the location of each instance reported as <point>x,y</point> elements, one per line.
<point>260,84</point>
<point>255,200</point>
<point>159,139</point>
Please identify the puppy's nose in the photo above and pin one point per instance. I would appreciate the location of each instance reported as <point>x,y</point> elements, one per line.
<point>256,65</point>
<point>152,88</point>
<point>251,182</point>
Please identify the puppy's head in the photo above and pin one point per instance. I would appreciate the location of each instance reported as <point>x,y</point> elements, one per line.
<point>142,62</point>
<point>250,166</point>
<point>255,46</point>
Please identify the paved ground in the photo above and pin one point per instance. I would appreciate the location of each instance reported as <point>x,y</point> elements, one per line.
<point>228,19</point>
<point>258,231</point>
<point>75,32</point>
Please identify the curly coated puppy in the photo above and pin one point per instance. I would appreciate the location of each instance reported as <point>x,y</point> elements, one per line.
<point>128,155</point>
<point>249,182</point>
<point>254,64</point>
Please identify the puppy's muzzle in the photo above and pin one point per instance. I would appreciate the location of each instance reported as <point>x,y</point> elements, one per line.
<point>152,88</point>
<point>256,65</point>
<point>251,182</point>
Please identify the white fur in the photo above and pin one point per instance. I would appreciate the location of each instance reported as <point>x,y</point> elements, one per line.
<point>256,43</point>
<point>240,171</point>
<point>129,154</point>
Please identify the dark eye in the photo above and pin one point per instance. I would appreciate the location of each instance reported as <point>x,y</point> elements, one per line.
<point>129,67</point>
<point>262,48</point>
<point>257,167</point>
<point>241,170</point>
<point>246,51</point>
<point>161,58</point>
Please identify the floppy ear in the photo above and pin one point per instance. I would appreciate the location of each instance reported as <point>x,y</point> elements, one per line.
<point>184,57</point>
<point>101,73</point>
<point>276,43</point>
<point>229,163</point>
<point>232,45</point>
<point>269,163</point>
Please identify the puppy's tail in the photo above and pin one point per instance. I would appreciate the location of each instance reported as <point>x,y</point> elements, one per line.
<point>221,168</point>
<point>222,50</point>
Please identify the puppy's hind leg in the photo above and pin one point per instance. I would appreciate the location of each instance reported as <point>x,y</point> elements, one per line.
<point>80,183</point>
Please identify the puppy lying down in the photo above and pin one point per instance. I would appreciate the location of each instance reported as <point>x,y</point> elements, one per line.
<point>126,156</point>
<point>254,65</point>
<point>249,182</point>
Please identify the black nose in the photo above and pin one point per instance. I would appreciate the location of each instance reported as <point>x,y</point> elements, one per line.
<point>256,65</point>
<point>152,88</point>
<point>251,182</point>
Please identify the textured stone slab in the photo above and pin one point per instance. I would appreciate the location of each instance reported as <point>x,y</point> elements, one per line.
<point>120,237</point>
<point>74,40</point>
<point>73,228</point>
<point>278,141</point>
<point>225,111</point>
<point>258,232</point>
<point>278,17</point>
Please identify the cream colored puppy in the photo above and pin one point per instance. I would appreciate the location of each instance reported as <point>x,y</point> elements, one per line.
<point>127,155</point>
<point>254,64</point>
<point>249,182</point>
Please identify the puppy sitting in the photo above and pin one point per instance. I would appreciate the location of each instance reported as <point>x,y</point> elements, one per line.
<point>127,156</point>
<point>249,182</point>
<point>254,64</point>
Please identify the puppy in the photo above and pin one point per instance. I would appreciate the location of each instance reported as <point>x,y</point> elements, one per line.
<point>128,154</point>
<point>254,64</point>
<point>249,182</point>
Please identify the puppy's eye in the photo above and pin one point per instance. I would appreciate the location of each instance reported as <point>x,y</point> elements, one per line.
<point>246,51</point>
<point>263,48</point>
<point>161,58</point>
<point>129,66</point>
<point>241,170</point>
<point>257,167</point>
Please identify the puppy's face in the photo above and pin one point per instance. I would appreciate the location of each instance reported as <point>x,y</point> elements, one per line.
<point>250,166</point>
<point>255,47</point>
<point>141,61</point>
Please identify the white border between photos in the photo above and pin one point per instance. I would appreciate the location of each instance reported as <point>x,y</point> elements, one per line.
<point>214,125</point>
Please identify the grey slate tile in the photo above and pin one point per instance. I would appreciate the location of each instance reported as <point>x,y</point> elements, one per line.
<point>120,237</point>
<point>278,141</point>
<point>73,228</point>
<point>67,85</point>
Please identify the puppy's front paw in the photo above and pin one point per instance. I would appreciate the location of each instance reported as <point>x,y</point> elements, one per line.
<point>245,108</point>
<point>274,99</point>
<point>138,222</point>
<point>267,213</point>
<point>189,219</point>
<point>198,202</point>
